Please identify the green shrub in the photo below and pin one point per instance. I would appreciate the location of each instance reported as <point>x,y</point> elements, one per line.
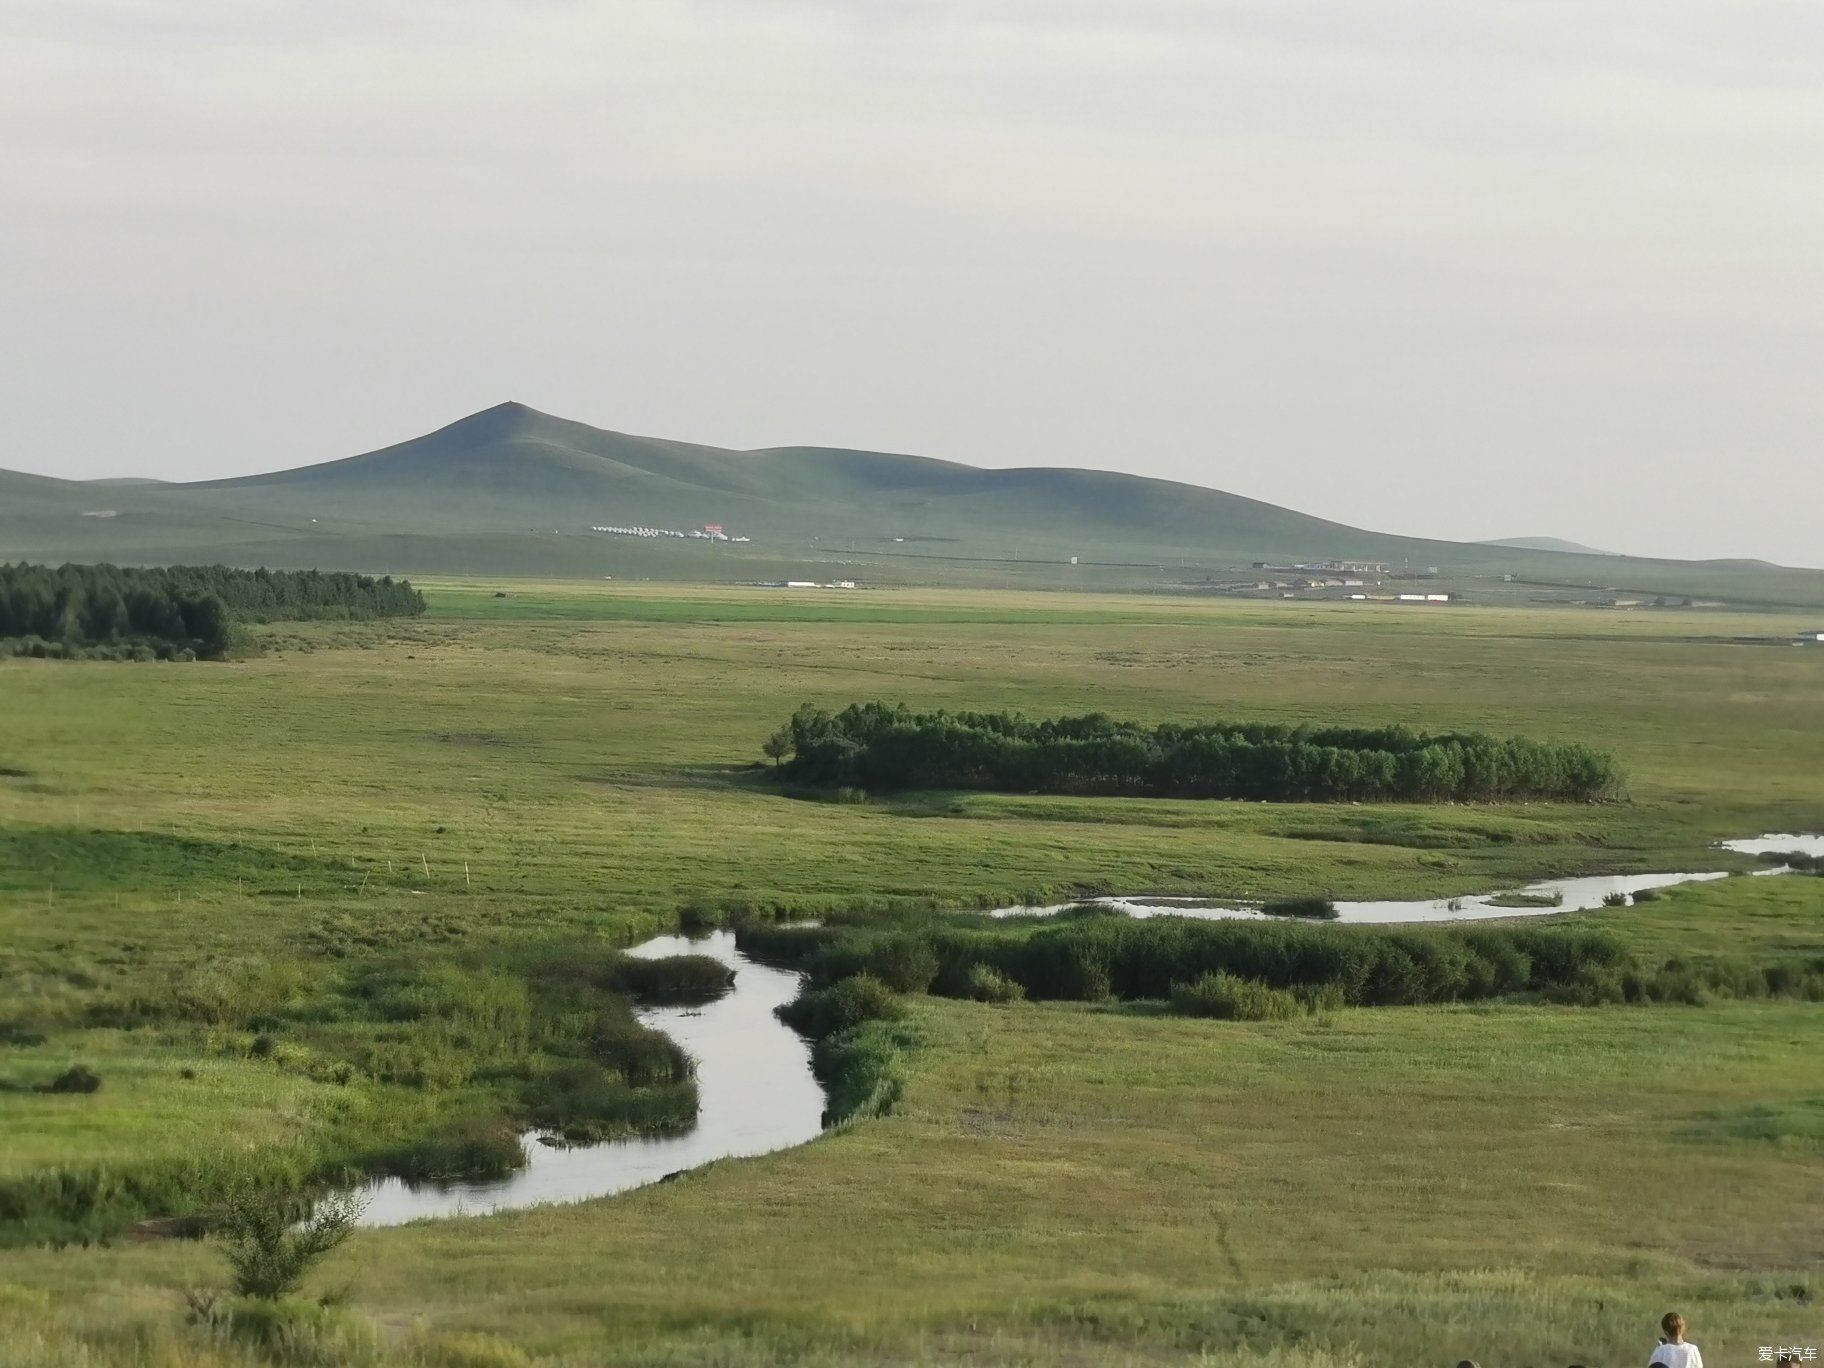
<point>582,1103</point>
<point>1795,978</point>
<point>823,1012</point>
<point>1321,997</point>
<point>272,1241</point>
<point>988,984</point>
<point>906,964</point>
<point>862,1069</point>
<point>641,1055</point>
<point>1096,957</point>
<point>78,1078</point>
<point>675,980</point>
<point>783,942</point>
<point>478,1149</point>
<point>1228,998</point>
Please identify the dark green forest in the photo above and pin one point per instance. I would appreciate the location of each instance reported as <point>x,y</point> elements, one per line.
<point>182,611</point>
<point>887,746</point>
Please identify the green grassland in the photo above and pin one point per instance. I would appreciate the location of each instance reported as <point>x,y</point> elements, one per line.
<point>1063,1182</point>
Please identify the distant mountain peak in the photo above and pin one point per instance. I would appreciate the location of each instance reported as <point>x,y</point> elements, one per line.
<point>502,422</point>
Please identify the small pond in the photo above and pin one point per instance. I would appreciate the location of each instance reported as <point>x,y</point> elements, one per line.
<point>1548,897</point>
<point>754,1083</point>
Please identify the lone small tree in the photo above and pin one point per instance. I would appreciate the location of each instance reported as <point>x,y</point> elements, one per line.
<point>269,1250</point>
<point>778,746</point>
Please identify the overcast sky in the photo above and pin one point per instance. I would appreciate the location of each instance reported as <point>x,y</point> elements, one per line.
<point>1460,268</point>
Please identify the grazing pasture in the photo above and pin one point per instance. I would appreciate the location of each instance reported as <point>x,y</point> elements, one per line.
<point>380,844</point>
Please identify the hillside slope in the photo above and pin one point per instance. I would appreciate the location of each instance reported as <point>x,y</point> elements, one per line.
<point>511,490</point>
<point>1545,544</point>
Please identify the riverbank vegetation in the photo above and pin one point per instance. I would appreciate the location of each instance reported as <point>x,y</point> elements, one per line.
<point>111,612</point>
<point>1096,954</point>
<point>889,746</point>
<point>424,1068</point>
<point>414,806</point>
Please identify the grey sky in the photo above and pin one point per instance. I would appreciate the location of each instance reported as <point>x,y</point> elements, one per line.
<point>1459,268</point>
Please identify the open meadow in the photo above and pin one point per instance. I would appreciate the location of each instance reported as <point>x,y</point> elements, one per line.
<point>288,906</point>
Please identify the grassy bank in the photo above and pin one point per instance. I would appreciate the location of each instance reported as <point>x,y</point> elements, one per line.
<point>1084,1184</point>
<point>368,845</point>
<point>302,1072</point>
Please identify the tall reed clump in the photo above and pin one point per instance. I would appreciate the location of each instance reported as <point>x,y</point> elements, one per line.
<point>1691,982</point>
<point>676,980</point>
<point>848,1002</point>
<point>1102,956</point>
<point>858,1043</point>
<point>1228,998</point>
<point>1098,957</point>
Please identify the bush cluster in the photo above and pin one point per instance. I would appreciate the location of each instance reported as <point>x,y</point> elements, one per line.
<point>78,1078</point>
<point>1248,970</point>
<point>888,746</point>
<point>988,984</point>
<point>1794,859</point>
<point>1228,998</point>
<point>676,980</point>
<point>857,1044</point>
<point>1093,957</point>
<point>862,1070</point>
<point>1694,982</point>
<point>843,1005</point>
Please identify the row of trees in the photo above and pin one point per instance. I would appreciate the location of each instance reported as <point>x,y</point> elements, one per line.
<point>887,746</point>
<point>101,609</point>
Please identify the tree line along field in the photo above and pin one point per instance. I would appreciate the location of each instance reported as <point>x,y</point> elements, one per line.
<point>182,611</point>
<point>889,746</point>
<point>1061,1181</point>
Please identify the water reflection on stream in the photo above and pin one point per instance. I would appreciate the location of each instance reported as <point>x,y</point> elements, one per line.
<point>1550,896</point>
<point>754,1083</point>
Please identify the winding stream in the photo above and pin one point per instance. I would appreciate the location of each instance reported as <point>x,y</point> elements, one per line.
<point>1571,895</point>
<point>755,1089</point>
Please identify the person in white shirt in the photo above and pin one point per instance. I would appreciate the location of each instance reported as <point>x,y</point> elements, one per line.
<point>1673,1351</point>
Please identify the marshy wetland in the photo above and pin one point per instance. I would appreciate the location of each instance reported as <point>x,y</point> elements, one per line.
<point>329,908</point>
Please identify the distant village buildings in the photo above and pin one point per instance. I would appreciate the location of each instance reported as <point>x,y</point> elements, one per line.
<point>708,532</point>
<point>1333,567</point>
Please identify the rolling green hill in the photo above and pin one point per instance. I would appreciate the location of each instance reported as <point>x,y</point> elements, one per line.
<point>511,491</point>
